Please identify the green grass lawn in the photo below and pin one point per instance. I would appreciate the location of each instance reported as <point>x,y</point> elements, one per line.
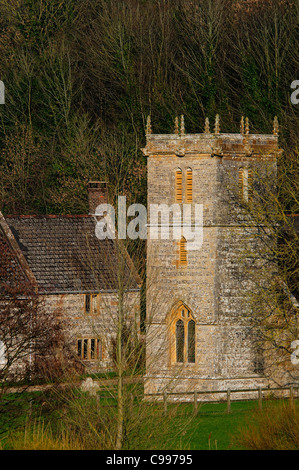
<point>212,428</point>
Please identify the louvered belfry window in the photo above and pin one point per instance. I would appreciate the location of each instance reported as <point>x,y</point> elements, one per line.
<point>189,185</point>
<point>183,252</point>
<point>178,186</point>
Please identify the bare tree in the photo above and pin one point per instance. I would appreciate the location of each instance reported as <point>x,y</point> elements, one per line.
<point>269,262</point>
<point>30,336</point>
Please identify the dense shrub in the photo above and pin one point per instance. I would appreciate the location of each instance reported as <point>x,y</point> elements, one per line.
<point>276,428</point>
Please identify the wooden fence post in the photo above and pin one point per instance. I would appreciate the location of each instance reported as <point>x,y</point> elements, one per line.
<point>291,396</point>
<point>260,398</point>
<point>228,400</point>
<point>165,403</point>
<point>195,403</point>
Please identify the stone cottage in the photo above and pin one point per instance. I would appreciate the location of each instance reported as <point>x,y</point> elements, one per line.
<point>198,337</point>
<point>77,276</point>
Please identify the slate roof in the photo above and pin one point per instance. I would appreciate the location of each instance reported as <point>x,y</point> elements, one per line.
<point>65,256</point>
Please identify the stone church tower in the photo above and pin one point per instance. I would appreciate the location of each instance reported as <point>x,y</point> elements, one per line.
<point>198,335</point>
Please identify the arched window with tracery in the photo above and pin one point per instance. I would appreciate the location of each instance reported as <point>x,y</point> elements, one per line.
<point>191,341</point>
<point>183,332</point>
<point>180,340</point>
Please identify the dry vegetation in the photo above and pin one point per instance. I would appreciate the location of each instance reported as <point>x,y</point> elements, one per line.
<point>277,428</point>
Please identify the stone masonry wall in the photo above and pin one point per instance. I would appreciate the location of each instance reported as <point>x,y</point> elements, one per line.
<point>213,284</point>
<point>100,323</point>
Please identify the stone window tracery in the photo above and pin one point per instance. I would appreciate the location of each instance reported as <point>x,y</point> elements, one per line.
<point>183,333</point>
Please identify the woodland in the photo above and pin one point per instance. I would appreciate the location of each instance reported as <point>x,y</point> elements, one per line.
<point>82,76</point>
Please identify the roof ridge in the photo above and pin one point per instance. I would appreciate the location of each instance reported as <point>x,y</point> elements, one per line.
<point>17,250</point>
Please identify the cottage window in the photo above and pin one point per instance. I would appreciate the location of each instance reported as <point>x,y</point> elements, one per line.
<point>87,303</point>
<point>89,348</point>
<point>91,303</point>
<point>85,349</point>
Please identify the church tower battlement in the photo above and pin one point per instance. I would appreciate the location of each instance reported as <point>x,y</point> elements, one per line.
<point>212,143</point>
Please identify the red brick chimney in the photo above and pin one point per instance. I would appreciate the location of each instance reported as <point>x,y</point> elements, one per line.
<point>97,194</point>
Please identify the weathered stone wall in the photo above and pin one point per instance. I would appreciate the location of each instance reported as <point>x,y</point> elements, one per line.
<point>100,323</point>
<point>214,283</point>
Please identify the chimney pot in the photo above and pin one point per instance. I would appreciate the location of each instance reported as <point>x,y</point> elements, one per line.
<point>97,194</point>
